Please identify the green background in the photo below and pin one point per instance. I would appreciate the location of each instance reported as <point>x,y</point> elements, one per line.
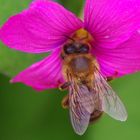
<point>29,115</point>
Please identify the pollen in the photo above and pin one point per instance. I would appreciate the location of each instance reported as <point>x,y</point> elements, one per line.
<point>82,35</point>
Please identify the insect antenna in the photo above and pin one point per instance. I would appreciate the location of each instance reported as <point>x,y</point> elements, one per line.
<point>69,38</point>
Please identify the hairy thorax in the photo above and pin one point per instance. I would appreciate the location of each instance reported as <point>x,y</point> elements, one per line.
<point>81,67</point>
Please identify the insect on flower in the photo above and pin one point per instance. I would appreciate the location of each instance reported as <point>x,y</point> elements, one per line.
<point>89,92</point>
<point>84,55</point>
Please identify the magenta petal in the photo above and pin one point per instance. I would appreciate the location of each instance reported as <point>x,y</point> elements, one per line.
<point>112,22</point>
<point>44,74</point>
<point>41,28</point>
<point>124,59</point>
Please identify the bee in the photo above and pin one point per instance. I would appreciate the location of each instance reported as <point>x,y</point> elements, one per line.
<point>89,92</point>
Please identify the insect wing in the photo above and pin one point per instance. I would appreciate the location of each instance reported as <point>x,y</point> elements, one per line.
<point>111,103</point>
<point>81,106</point>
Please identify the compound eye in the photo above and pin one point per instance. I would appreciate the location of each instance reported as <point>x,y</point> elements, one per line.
<point>84,49</point>
<point>69,49</point>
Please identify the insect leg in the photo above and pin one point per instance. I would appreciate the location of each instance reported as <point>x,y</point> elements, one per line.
<point>64,86</point>
<point>110,78</point>
<point>62,56</point>
<point>65,102</point>
<point>96,115</point>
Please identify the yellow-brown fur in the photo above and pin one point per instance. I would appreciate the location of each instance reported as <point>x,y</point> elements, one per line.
<point>83,76</point>
<point>80,76</point>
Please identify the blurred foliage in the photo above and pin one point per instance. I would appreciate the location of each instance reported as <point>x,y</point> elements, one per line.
<point>72,5</point>
<point>29,115</point>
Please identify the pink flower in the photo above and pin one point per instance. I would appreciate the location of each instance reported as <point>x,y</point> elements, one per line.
<point>43,27</point>
<point>113,27</point>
